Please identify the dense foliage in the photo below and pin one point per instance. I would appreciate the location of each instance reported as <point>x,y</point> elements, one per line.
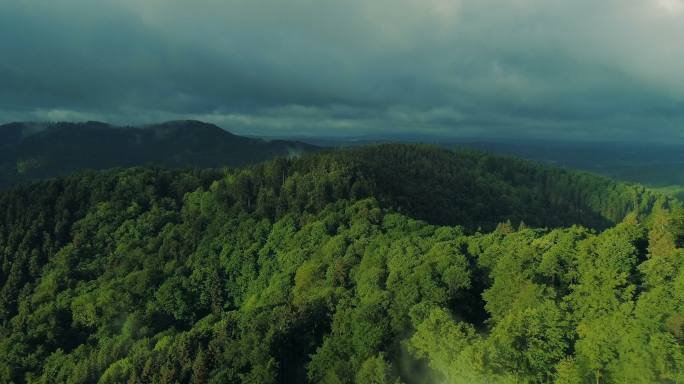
<point>31,151</point>
<point>318,269</point>
<point>654,164</point>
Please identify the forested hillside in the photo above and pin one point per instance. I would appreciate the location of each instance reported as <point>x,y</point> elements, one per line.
<point>388,264</point>
<point>655,165</point>
<point>31,151</point>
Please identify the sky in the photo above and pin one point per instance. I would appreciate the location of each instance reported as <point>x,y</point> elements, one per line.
<point>571,69</point>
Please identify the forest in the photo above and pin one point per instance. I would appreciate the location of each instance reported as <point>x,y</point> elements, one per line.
<point>379,264</point>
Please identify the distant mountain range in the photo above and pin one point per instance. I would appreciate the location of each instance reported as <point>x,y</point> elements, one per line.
<point>30,151</point>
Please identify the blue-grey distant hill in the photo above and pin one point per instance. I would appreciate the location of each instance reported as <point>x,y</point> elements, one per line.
<point>30,151</point>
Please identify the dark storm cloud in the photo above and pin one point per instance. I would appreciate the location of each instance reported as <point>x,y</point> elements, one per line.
<point>540,68</point>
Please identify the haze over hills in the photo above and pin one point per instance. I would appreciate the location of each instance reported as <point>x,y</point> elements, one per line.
<point>30,151</point>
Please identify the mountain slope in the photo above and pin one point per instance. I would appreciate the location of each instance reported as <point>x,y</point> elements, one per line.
<point>474,189</point>
<point>36,151</point>
<point>315,269</point>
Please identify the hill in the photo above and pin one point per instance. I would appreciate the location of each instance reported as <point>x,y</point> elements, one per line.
<point>33,151</point>
<point>655,165</point>
<point>387,264</point>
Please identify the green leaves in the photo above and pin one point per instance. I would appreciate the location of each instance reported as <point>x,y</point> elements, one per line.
<point>313,270</point>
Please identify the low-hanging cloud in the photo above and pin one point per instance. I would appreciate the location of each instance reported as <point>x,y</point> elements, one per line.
<point>538,68</point>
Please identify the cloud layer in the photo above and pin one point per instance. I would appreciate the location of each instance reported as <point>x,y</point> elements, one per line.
<point>508,68</point>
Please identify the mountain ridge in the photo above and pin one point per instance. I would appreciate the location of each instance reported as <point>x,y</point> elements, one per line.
<point>32,151</point>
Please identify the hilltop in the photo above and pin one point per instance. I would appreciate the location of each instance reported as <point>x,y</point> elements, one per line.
<point>31,151</point>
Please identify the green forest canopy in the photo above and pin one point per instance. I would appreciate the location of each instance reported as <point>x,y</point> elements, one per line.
<point>387,264</point>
